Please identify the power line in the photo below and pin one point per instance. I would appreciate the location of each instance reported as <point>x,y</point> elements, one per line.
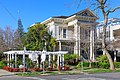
<point>8,11</point>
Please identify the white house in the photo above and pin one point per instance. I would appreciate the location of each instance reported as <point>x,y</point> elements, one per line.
<point>113,24</point>
<point>71,32</point>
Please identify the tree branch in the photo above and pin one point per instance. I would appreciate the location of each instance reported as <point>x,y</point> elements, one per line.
<point>113,10</point>
<point>79,4</point>
<point>105,1</point>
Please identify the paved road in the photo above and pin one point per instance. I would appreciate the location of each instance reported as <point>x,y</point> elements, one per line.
<point>100,76</point>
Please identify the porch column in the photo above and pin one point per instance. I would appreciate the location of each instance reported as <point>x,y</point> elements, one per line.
<point>40,61</point>
<point>49,61</point>
<point>24,57</point>
<point>63,61</point>
<point>53,54</point>
<point>115,54</point>
<point>76,39</point>
<point>59,45</point>
<point>8,59</point>
<point>79,42</point>
<point>15,60</point>
<point>58,60</point>
<point>37,63</point>
<point>53,57</point>
<point>77,49</point>
<point>92,43</point>
<point>12,60</point>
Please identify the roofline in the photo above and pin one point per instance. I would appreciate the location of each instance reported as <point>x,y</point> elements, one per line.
<point>69,17</point>
<point>45,21</point>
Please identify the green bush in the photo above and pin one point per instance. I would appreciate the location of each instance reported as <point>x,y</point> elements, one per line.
<point>70,59</point>
<point>117,64</point>
<point>104,65</point>
<point>29,63</point>
<point>85,64</point>
<point>95,64</point>
<point>2,64</point>
<point>70,56</point>
<point>103,62</point>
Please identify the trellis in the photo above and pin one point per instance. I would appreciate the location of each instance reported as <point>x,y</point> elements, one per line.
<point>12,55</point>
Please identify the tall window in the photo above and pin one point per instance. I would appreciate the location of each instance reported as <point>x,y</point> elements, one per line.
<point>59,31</point>
<point>64,33</point>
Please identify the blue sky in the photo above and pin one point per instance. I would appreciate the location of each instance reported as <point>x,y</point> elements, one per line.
<point>31,11</point>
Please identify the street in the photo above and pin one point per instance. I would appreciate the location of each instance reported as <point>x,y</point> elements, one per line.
<point>98,76</point>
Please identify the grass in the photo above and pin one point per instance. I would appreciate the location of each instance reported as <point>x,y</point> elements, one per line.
<point>76,71</point>
<point>35,73</point>
<point>99,70</point>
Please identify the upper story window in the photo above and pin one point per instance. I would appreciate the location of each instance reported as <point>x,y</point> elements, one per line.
<point>107,34</point>
<point>64,33</point>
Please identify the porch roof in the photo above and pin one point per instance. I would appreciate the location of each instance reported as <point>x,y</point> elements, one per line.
<point>38,52</point>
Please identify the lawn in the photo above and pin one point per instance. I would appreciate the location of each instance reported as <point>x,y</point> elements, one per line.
<point>76,71</point>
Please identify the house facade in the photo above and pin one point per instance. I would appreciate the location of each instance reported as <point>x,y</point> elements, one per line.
<point>113,24</point>
<point>112,35</point>
<point>74,33</point>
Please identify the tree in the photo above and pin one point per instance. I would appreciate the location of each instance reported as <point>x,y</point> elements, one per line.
<point>37,36</point>
<point>20,29</point>
<point>18,41</point>
<point>8,38</point>
<point>19,35</point>
<point>104,7</point>
<point>2,42</point>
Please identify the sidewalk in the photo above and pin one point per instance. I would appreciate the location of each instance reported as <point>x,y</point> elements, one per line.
<point>5,73</point>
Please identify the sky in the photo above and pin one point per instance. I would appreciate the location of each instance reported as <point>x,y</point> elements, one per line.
<point>32,11</point>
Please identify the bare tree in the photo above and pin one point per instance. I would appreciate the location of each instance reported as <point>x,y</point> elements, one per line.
<point>8,38</point>
<point>2,43</point>
<point>18,43</point>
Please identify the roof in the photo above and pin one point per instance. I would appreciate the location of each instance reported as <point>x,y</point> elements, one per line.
<point>111,22</point>
<point>86,12</point>
<point>64,17</point>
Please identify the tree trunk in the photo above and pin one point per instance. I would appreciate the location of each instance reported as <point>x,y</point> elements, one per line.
<point>110,59</point>
<point>104,42</point>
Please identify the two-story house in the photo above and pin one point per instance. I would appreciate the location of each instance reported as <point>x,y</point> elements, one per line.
<point>73,32</point>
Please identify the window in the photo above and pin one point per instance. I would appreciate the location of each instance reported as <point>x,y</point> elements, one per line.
<point>100,35</point>
<point>59,31</point>
<point>51,32</point>
<point>107,34</point>
<point>64,33</point>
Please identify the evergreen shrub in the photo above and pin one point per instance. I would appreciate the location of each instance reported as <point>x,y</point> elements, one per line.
<point>117,64</point>
<point>2,64</point>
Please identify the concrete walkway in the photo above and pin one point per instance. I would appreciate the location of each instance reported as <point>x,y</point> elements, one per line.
<point>5,73</point>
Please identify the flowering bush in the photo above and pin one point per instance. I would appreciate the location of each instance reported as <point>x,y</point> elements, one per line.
<point>63,68</point>
<point>15,69</point>
<point>6,68</point>
<point>66,68</point>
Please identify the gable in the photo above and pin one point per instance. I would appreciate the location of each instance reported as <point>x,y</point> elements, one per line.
<point>87,13</point>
